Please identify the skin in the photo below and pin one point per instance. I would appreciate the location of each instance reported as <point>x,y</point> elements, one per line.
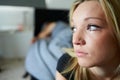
<point>45,32</point>
<point>93,41</point>
<point>96,42</point>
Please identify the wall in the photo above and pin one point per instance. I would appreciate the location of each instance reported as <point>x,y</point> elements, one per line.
<point>15,45</point>
<point>15,42</point>
<point>59,4</point>
<point>49,4</point>
<point>29,3</point>
<point>13,17</point>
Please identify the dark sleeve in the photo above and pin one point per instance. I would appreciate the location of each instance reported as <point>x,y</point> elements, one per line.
<point>63,62</point>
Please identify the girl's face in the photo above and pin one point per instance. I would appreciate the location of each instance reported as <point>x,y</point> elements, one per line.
<point>93,41</point>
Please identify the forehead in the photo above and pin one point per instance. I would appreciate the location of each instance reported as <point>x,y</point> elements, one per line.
<point>88,9</point>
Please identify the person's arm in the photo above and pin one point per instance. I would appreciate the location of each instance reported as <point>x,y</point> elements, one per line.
<point>59,76</point>
<point>45,32</point>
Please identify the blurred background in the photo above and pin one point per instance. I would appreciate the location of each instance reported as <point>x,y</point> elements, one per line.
<point>20,21</point>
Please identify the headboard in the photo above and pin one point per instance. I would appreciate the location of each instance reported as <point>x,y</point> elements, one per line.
<point>45,15</point>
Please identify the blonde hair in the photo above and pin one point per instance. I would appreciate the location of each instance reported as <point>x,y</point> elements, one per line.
<point>111,9</point>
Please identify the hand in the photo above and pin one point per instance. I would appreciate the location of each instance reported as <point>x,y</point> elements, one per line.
<point>33,40</point>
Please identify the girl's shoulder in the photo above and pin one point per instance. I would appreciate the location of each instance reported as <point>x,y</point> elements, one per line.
<point>63,61</point>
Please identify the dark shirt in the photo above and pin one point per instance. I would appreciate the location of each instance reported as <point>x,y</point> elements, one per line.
<point>62,64</point>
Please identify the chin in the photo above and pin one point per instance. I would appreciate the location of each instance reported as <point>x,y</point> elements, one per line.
<point>85,64</point>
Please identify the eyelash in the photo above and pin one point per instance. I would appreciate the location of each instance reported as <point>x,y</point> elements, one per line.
<point>89,27</point>
<point>93,27</point>
<point>73,29</point>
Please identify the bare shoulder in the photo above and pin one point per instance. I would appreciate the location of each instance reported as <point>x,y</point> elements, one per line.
<point>59,76</point>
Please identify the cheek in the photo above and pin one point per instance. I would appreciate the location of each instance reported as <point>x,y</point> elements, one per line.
<point>102,46</point>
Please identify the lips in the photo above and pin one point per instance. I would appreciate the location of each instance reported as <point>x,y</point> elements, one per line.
<point>80,53</point>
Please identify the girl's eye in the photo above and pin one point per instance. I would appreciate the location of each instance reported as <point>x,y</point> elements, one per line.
<point>93,27</point>
<point>73,29</point>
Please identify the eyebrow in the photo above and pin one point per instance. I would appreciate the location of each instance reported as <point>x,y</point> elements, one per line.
<point>95,18</point>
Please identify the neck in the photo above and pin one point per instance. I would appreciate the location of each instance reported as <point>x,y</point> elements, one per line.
<point>106,72</point>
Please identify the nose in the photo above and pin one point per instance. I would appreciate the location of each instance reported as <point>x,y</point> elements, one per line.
<point>78,39</point>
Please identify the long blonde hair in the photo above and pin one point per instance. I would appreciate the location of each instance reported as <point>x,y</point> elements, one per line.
<point>111,9</point>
